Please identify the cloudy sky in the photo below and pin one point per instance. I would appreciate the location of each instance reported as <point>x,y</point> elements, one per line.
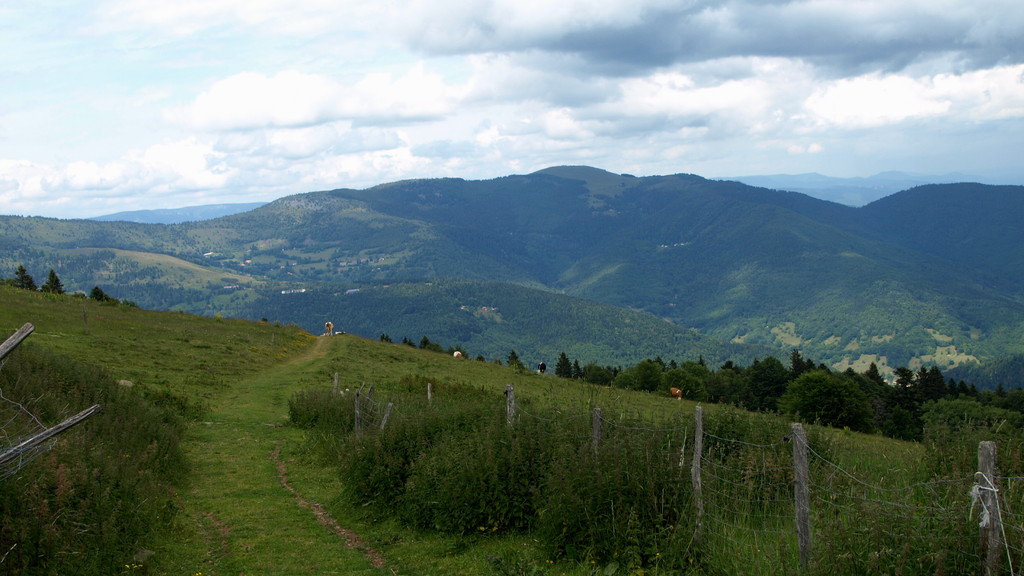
<point>112,105</point>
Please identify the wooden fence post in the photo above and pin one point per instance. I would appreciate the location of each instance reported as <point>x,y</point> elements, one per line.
<point>595,434</point>
<point>336,379</point>
<point>991,525</point>
<point>801,495</point>
<point>698,494</point>
<point>430,392</point>
<point>357,424</point>
<point>510,403</point>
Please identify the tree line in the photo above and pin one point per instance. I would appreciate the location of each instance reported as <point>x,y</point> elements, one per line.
<point>53,285</point>
<point>900,407</point>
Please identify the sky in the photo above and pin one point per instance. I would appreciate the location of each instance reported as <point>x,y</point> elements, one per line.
<point>117,105</point>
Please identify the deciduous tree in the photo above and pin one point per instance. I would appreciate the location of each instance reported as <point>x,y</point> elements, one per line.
<point>830,399</point>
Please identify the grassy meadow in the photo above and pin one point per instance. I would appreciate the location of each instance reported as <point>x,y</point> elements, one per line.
<point>264,474</point>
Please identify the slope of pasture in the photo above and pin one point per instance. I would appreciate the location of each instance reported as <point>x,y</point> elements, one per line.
<point>259,500</point>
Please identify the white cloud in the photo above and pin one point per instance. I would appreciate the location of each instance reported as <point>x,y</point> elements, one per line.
<point>187,99</point>
<point>292,99</point>
<point>992,94</point>
<point>416,95</point>
<point>477,26</point>
<point>185,164</point>
<point>167,169</point>
<point>560,125</point>
<point>875,100</point>
<point>251,100</point>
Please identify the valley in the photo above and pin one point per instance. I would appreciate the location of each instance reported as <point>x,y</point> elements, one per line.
<point>926,276</point>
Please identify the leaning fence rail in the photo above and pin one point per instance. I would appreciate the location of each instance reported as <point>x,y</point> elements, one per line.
<point>22,436</point>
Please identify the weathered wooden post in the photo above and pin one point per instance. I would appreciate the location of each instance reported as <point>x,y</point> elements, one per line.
<point>336,380</point>
<point>595,435</point>
<point>991,524</point>
<point>12,342</point>
<point>510,403</point>
<point>18,451</point>
<point>23,451</point>
<point>357,424</point>
<point>387,414</point>
<point>801,493</point>
<point>430,392</point>
<point>698,495</point>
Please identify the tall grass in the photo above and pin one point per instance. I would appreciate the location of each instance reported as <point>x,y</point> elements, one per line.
<point>458,466</point>
<point>626,504</point>
<point>89,504</point>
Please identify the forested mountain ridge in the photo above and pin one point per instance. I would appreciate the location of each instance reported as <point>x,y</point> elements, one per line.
<point>972,224</point>
<point>179,215</point>
<point>931,275</point>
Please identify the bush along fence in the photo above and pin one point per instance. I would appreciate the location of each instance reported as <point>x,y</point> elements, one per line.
<point>728,492</point>
<point>80,499</point>
<point>20,444</point>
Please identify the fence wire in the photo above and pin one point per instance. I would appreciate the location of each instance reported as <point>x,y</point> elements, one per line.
<point>17,425</point>
<point>747,487</point>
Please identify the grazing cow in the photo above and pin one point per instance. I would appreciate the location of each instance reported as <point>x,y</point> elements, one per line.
<point>329,328</point>
<point>676,393</point>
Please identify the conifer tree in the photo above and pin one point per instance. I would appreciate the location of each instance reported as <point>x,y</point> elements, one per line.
<point>98,294</point>
<point>53,284</point>
<point>563,368</point>
<point>24,280</point>
<point>513,360</point>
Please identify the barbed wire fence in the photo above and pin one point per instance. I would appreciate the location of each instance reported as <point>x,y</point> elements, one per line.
<point>23,437</point>
<point>763,499</point>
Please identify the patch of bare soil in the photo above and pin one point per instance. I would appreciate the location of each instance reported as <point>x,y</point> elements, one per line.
<point>352,540</point>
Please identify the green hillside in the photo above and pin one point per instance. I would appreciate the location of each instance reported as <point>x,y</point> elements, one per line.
<point>491,319</point>
<point>929,276</point>
<point>234,452</point>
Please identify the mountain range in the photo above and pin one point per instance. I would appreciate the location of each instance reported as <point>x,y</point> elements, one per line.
<point>849,191</point>
<point>179,215</point>
<point>609,268</point>
<point>856,191</point>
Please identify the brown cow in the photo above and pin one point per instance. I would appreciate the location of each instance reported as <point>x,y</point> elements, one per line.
<point>676,393</point>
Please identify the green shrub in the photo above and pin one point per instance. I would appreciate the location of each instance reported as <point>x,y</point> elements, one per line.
<point>377,463</point>
<point>89,504</point>
<point>484,481</point>
<point>626,502</point>
<point>322,409</point>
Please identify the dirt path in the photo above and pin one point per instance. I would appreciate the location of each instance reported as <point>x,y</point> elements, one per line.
<point>242,514</point>
<point>351,539</point>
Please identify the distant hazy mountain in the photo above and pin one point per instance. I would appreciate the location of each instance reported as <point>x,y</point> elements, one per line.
<point>931,275</point>
<point>178,215</point>
<point>854,191</point>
